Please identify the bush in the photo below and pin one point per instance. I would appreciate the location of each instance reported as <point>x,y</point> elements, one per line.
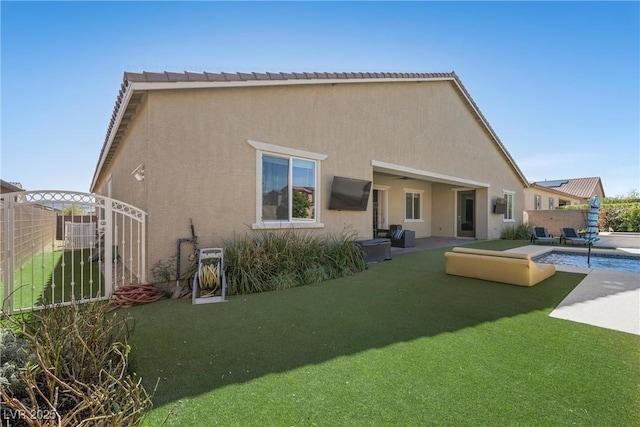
<point>616,216</point>
<point>78,373</point>
<point>274,260</point>
<point>14,355</point>
<point>632,219</point>
<point>620,217</point>
<point>519,232</point>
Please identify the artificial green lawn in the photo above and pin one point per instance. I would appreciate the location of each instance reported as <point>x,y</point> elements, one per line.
<point>33,281</point>
<point>399,344</point>
<point>74,267</point>
<point>32,278</point>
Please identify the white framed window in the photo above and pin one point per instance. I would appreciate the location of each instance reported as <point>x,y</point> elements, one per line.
<point>508,213</point>
<point>552,203</point>
<point>413,205</point>
<point>537,202</point>
<point>287,187</point>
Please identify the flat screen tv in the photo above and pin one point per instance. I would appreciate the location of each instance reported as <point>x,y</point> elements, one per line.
<point>349,194</point>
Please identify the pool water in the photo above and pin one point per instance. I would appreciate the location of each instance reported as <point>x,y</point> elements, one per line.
<point>602,261</point>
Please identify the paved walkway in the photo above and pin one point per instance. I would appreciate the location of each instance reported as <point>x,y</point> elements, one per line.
<point>432,243</point>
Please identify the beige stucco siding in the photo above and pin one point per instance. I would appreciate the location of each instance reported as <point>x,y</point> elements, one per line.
<point>547,197</point>
<point>199,164</point>
<point>394,212</point>
<point>442,211</point>
<point>133,151</point>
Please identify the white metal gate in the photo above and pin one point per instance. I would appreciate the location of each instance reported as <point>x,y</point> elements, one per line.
<point>59,247</point>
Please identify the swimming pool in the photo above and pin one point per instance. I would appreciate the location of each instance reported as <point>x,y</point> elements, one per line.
<point>602,261</point>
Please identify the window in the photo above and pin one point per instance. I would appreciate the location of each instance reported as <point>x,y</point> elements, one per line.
<point>508,213</point>
<point>552,204</point>
<point>537,202</point>
<point>287,186</point>
<point>413,205</point>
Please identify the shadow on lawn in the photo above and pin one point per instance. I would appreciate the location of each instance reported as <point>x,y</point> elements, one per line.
<point>195,349</point>
<point>73,273</point>
<point>70,271</point>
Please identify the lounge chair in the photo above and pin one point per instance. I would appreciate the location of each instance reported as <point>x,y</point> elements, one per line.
<point>541,234</point>
<point>571,235</point>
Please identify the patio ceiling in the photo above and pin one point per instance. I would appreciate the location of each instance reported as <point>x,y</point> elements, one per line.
<point>424,175</point>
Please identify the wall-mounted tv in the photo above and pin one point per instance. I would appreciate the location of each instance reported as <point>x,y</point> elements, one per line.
<point>349,194</point>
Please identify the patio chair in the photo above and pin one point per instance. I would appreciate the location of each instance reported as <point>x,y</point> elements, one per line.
<point>571,235</point>
<point>403,238</point>
<point>541,234</point>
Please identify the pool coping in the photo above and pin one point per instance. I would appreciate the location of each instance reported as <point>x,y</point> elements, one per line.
<point>604,298</point>
<point>537,250</point>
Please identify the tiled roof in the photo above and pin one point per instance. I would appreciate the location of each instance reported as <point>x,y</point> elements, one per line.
<point>118,125</point>
<point>10,187</point>
<point>583,188</point>
<point>188,76</point>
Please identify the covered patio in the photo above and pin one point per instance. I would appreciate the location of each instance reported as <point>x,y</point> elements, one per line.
<point>430,203</point>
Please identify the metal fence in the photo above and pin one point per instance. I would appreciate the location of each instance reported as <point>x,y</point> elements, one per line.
<point>45,261</point>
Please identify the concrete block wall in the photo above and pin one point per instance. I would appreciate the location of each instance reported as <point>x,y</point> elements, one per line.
<point>34,232</point>
<point>554,220</point>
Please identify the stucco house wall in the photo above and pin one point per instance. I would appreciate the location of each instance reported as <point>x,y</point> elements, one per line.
<point>117,181</point>
<point>548,199</point>
<point>199,150</point>
<point>554,193</point>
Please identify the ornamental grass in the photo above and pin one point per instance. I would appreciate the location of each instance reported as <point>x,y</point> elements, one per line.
<point>274,260</point>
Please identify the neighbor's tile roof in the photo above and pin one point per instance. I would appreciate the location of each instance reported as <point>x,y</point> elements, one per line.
<point>584,188</point>
<point>10,187</point>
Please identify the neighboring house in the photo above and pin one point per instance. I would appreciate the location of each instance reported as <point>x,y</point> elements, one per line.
<point>228,150</point>
<point>549,195</point>
<point>10,187</point>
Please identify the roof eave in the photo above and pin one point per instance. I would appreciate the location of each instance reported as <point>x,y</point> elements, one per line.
<point>121,107</point>
<point>533,185</point>
<point>133,82</point>
<point>474,107</point>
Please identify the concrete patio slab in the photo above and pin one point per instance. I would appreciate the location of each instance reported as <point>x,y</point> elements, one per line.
<point>605,298</point>
<point>608,299</point>
<point>425,243</point>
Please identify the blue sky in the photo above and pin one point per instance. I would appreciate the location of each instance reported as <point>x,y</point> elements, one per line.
<point>558,81</point>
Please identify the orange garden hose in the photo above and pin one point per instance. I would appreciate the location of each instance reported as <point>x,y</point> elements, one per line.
<point>128,295</point>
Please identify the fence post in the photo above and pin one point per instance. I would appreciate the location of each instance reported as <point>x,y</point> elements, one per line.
<point>108,247</point>
<point>9,261</point>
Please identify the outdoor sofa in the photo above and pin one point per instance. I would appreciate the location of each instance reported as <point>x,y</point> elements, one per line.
<point>496,266</point>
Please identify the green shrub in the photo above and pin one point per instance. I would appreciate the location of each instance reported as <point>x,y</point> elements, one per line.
<point>79,372</point>
<point>631,197</point>
<point>632,219</point>
<point>273,260</point>
<point>517,232</point>
<point>616,216</point>
<point>14,356</point>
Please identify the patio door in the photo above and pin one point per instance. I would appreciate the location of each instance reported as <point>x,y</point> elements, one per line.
<point>466,226</point>
<point>379,196</point>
